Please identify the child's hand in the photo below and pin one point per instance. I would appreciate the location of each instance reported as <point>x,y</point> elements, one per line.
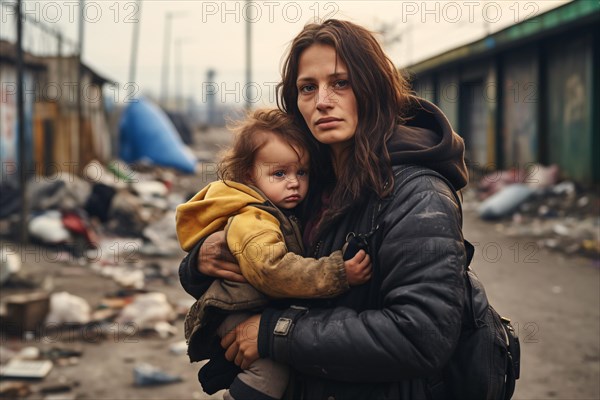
<point>358,268</point>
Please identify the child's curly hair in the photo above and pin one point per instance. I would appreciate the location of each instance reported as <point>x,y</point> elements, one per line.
<point>238,161</point>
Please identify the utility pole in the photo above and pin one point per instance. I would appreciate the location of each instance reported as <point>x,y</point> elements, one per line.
<point>21,127</point>
<point>165,66</point>
<point>210,99</point>
<point>248,55</point>
<point>166,57</point>
<point>179,71</point>
<point>79,85</point>
<point>134,47</point>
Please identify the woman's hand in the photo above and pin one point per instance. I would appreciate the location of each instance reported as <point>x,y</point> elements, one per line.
<point>215,259</point>
<point>241,343</point>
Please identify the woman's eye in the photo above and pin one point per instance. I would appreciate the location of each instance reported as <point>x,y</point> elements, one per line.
<point>341,84</point>
<point>307,88</point>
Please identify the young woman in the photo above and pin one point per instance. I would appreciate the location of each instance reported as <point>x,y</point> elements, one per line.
<point>265,176</point>
<point>389,338</point>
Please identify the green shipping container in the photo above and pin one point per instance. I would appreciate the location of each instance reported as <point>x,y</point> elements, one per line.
<point>569,105</point>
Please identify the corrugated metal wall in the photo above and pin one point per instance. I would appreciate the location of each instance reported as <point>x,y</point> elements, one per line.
<point>426,89</point>
<point>447,95</point>
<point>9,124</point>
<point>520,86</point>
<point>546,109</point>
<point>569,104</point>
<point>473,122</point>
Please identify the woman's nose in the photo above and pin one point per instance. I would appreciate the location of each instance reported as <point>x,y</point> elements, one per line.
<point>324,98</point>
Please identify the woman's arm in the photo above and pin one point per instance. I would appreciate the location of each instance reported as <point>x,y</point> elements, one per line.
<point>421,261</point>
<point>210,258</point>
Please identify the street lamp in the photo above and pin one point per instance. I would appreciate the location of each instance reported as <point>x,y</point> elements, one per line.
<point>179,69</point>
<point>248,54</point>
<point>166,48</point>
<point>134,45</point>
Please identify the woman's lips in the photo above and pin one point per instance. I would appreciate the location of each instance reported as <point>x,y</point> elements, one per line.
<point>328,122</point>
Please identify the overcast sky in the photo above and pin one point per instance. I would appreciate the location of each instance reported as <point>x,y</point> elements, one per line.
<point>211,34</point>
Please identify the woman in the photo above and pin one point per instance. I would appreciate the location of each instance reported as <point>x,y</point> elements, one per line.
<point>390,337</point>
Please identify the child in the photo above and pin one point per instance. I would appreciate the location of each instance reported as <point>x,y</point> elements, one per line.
<point>264,178</point>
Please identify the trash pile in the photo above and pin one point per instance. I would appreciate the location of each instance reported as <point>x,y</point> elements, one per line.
<point>41,318</point>
<point>534,203</point>
<point>88,217</point>
<point>113,222</point>
<point>100,269</point>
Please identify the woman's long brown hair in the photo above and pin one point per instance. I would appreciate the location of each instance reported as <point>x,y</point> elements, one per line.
<point>381,94</point>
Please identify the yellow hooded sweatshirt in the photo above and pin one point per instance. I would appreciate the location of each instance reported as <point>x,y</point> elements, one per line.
<point>262,239</point>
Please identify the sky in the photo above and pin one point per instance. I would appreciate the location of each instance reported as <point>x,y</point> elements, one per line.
<point>212,35</point>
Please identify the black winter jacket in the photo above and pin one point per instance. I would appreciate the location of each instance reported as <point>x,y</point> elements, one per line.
<point>384,339</point>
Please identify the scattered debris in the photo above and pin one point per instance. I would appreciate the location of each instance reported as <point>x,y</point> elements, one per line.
<point>183,306</point>
<point>48,228</point>
<point>29,353</point>
<point>535,176</point>
<point>14,390</point>
<point>561,214</point>
<point>58,387</point>
<point>6,354</point>
<point>26,311</point>
<point>57,353</point>
<point>67,308</point>
<point>65,192</point>
<point>505,201</point>
<point>164,329</point>
<point>149,375</point>
<point>26,369</point>
<point>147,310</point>
<point>61,396</point>
<point>10,264</point>
<point>179,348</point>
<point>114,221</point>
<point>127,277</point>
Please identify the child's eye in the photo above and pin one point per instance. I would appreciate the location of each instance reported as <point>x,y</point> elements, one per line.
<point>341,84</point>
<point>279,174</point>
<point>302,172</point>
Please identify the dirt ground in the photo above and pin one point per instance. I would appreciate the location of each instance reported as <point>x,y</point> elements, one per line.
<point>552,299</point>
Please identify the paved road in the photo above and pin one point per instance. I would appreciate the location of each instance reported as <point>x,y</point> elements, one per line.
<point>554,301</point>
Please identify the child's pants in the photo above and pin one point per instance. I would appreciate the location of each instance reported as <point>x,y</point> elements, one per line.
<point>264,379</point>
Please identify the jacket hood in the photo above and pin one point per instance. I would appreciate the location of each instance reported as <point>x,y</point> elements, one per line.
<point>209,210</point>
<point>427,139</point>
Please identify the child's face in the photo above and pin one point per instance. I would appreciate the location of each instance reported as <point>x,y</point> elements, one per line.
<point>280,173</point>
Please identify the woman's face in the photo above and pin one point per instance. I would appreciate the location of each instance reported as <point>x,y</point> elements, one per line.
<point>325,97</point>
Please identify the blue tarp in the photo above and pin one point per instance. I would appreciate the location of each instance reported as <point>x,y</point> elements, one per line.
<point>147,134</point>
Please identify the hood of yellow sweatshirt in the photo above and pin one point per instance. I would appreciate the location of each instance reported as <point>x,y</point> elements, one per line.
<point>208,211</point>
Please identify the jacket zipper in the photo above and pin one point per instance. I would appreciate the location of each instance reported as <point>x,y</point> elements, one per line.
<point>317,249</point>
